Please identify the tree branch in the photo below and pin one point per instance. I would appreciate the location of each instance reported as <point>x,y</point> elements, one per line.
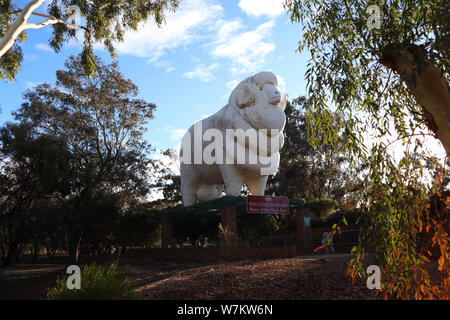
<point>423,134</point>
<point>21,24</point>
<point>49,21</point>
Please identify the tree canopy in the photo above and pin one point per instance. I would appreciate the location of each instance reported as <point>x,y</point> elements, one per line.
<point>100,21</point>
<point>312,173</point>
<point>80,142</point>
<point>396,74</point>
<point>393,80</point>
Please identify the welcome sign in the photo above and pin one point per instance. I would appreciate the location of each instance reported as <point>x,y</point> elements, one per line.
<point>267,204</point>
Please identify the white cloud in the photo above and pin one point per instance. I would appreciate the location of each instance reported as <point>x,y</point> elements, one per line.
<point>30,57</point>
<point>232,84</point>
<point>271,8</point>
<point>30,84</point>
<point>247,50</point>
<point>226,28</point>
<point>181,28</point>
<point>200,20</point>
<point>43,47</point>
<point>202,72</point>
<point>177,134</point>
<point>164,64</point>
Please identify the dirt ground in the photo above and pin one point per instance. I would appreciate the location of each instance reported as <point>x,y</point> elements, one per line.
<point>275,279</point>
<point>278,279</point>
<point>28,281</point>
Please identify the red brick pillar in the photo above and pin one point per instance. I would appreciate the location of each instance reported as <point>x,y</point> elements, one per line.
<point>228,219</point>
<point>304,240</point>
<point>166,234</point>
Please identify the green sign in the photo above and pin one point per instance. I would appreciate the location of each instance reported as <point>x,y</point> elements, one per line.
<point>307,221</point>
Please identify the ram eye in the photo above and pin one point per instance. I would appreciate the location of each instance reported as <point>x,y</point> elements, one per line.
<point>260,89</point>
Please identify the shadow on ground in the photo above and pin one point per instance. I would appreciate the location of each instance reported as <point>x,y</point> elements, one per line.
<point>315,277</point>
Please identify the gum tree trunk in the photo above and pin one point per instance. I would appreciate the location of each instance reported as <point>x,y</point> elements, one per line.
<point>74,249</point>
<point>426,83</point>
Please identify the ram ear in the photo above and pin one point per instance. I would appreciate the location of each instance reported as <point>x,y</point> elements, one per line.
<point>245,96</point>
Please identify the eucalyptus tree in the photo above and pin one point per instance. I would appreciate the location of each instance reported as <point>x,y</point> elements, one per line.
<point>312,173</point>
<point>102,121</point>
<point>33,170</point>
<point>384,66</point>
<point>388,59</point>
<point>100,21</point>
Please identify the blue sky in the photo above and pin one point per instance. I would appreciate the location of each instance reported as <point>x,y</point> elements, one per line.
<point>189,66</point>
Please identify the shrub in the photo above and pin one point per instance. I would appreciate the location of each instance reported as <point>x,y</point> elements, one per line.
<point>352,217</point>
<point>97,283</point>
<point>322,207</point>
